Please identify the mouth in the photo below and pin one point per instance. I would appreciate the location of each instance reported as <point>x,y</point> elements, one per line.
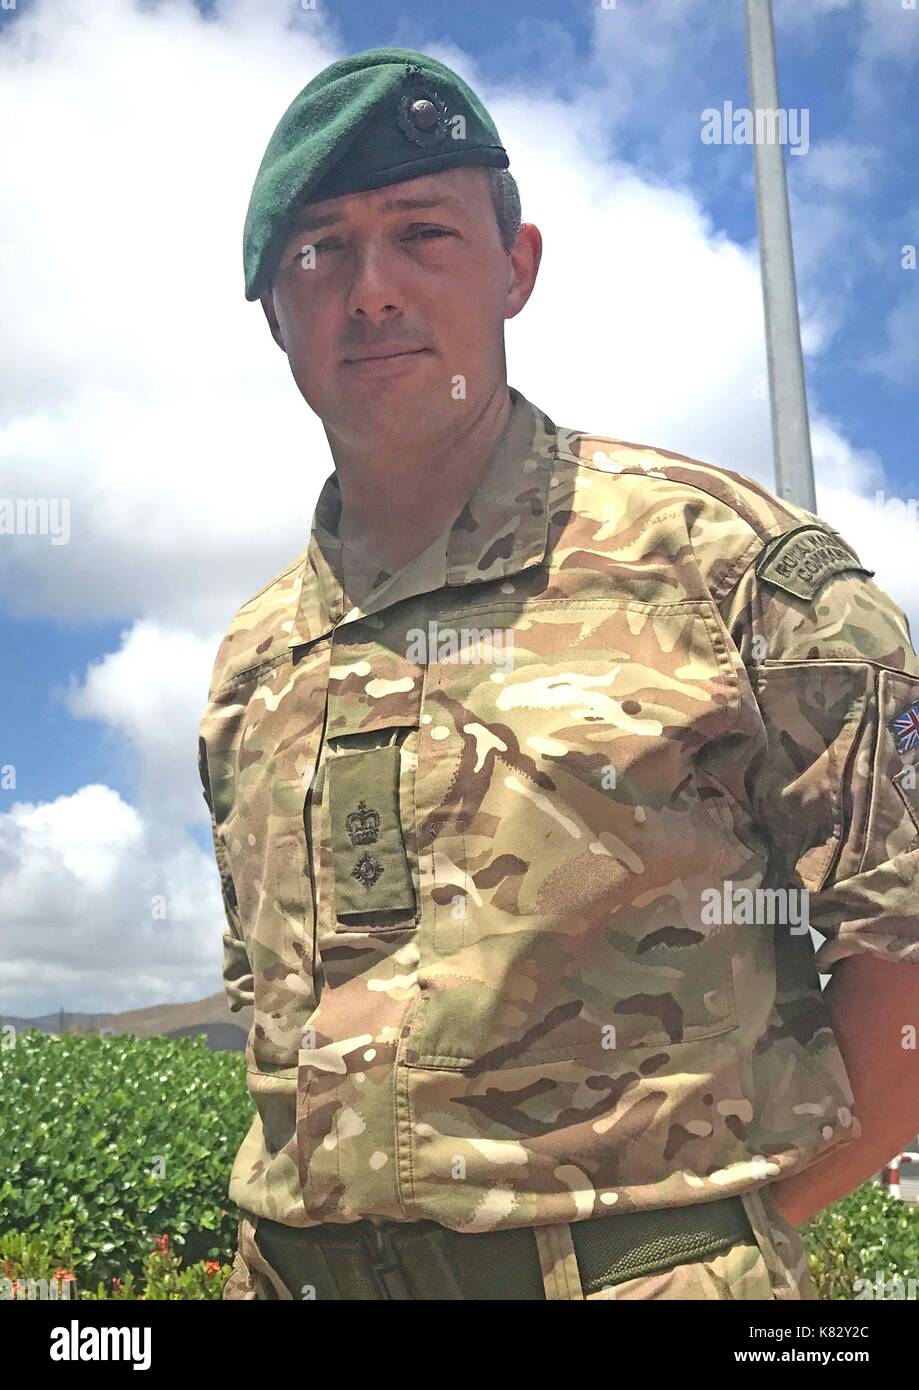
<point>385,356</point>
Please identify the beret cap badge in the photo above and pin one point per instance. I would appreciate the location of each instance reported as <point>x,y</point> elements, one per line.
<point>420,113</point>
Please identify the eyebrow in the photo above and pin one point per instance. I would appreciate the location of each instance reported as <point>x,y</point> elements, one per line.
<point>310,222</point>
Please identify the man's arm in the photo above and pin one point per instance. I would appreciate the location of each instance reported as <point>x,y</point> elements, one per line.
<point>872,1002</point>
<point>837,796</point>
<point>237,968</point>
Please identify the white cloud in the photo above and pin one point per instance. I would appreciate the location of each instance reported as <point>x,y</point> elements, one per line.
<point>102,910</point>
<point>144,388</point>
<point>840,166</point>
<point>153,691</point>
<point>88,834</point>
<point>898,357</point>
<point>669,350</point>
<point>878,30</point>
<point>891,30</point>
<point>853,496</point>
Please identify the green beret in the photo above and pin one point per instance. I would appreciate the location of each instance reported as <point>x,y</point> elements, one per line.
<point>375,118</point>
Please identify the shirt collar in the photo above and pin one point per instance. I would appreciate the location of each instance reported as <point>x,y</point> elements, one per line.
<point>502,529</point>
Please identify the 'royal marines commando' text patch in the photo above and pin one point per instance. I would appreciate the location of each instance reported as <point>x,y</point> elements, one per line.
<point>803,559</point>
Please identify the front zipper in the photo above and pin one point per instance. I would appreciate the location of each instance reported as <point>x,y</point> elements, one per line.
<point>308,828</point>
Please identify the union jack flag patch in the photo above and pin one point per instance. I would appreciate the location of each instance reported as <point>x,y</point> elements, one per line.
<point>905,727</point>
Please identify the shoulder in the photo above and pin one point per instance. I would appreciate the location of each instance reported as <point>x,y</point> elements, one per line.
<point>647,476</point>
<point>786,581</point>
<point>655,501</point>
<point>259,631</point>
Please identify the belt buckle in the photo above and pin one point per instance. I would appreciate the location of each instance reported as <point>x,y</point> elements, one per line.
<point>385,1262</point>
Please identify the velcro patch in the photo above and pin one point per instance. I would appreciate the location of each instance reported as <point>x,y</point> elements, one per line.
<point>372,873</point>
<point>802,560</point>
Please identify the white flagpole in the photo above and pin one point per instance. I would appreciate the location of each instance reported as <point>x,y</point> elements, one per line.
<point>794,468</point>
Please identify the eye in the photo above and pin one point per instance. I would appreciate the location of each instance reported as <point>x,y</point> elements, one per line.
<point>327,244</point>
<point>429,231</point>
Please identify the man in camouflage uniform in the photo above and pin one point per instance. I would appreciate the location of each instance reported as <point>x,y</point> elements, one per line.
<point>522,814</point>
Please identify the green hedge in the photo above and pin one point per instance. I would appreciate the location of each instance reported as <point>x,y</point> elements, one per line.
<point>33,1267</point>
<point>863,1236</point>
<point>113,1141</point>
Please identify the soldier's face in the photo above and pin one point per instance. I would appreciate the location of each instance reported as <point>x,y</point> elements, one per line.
<point>415,270</point>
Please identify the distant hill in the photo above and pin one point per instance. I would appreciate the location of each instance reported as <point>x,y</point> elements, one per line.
<point>225,1031</point>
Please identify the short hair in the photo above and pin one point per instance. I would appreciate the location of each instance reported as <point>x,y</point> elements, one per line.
<point>505,199</point>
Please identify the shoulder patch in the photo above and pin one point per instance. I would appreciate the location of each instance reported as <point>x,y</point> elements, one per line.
<point>905,727</point>
<point>803,559</point>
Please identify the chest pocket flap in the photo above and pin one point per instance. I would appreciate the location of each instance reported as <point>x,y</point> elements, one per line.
<point>368,786</point>
<point>371,869</point>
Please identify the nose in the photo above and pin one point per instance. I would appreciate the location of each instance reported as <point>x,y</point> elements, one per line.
<point>372,292</point>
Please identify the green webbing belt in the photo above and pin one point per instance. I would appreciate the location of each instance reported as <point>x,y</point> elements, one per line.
<point>646,1242</point>
<point>425,1260</point>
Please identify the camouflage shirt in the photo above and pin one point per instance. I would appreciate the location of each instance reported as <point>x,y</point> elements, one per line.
<point>519,846</point>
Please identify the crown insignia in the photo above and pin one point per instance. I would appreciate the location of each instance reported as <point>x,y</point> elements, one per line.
<point>363,825</point>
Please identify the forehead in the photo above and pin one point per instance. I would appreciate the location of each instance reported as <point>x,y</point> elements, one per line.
<point>453,190</point>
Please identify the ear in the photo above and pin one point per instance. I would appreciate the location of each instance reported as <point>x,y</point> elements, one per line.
<point>266,299</point>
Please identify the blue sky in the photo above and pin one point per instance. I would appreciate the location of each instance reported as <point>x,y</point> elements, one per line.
<point>145,390</point>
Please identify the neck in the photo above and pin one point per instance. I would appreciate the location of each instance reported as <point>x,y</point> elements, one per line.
<point>398,497</point>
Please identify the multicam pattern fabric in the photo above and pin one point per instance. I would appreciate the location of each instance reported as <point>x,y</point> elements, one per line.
<point>613,734</point>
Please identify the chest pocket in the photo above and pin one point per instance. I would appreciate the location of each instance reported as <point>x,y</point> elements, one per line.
<point>576,830</point>
<point>367,788</point>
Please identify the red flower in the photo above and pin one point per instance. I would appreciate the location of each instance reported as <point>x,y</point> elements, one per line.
<point>64,1274</point>
<point>212,1266</point>
<point>116,1281</point>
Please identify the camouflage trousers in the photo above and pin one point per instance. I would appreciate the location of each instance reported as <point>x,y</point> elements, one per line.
<point>772,1265</point>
